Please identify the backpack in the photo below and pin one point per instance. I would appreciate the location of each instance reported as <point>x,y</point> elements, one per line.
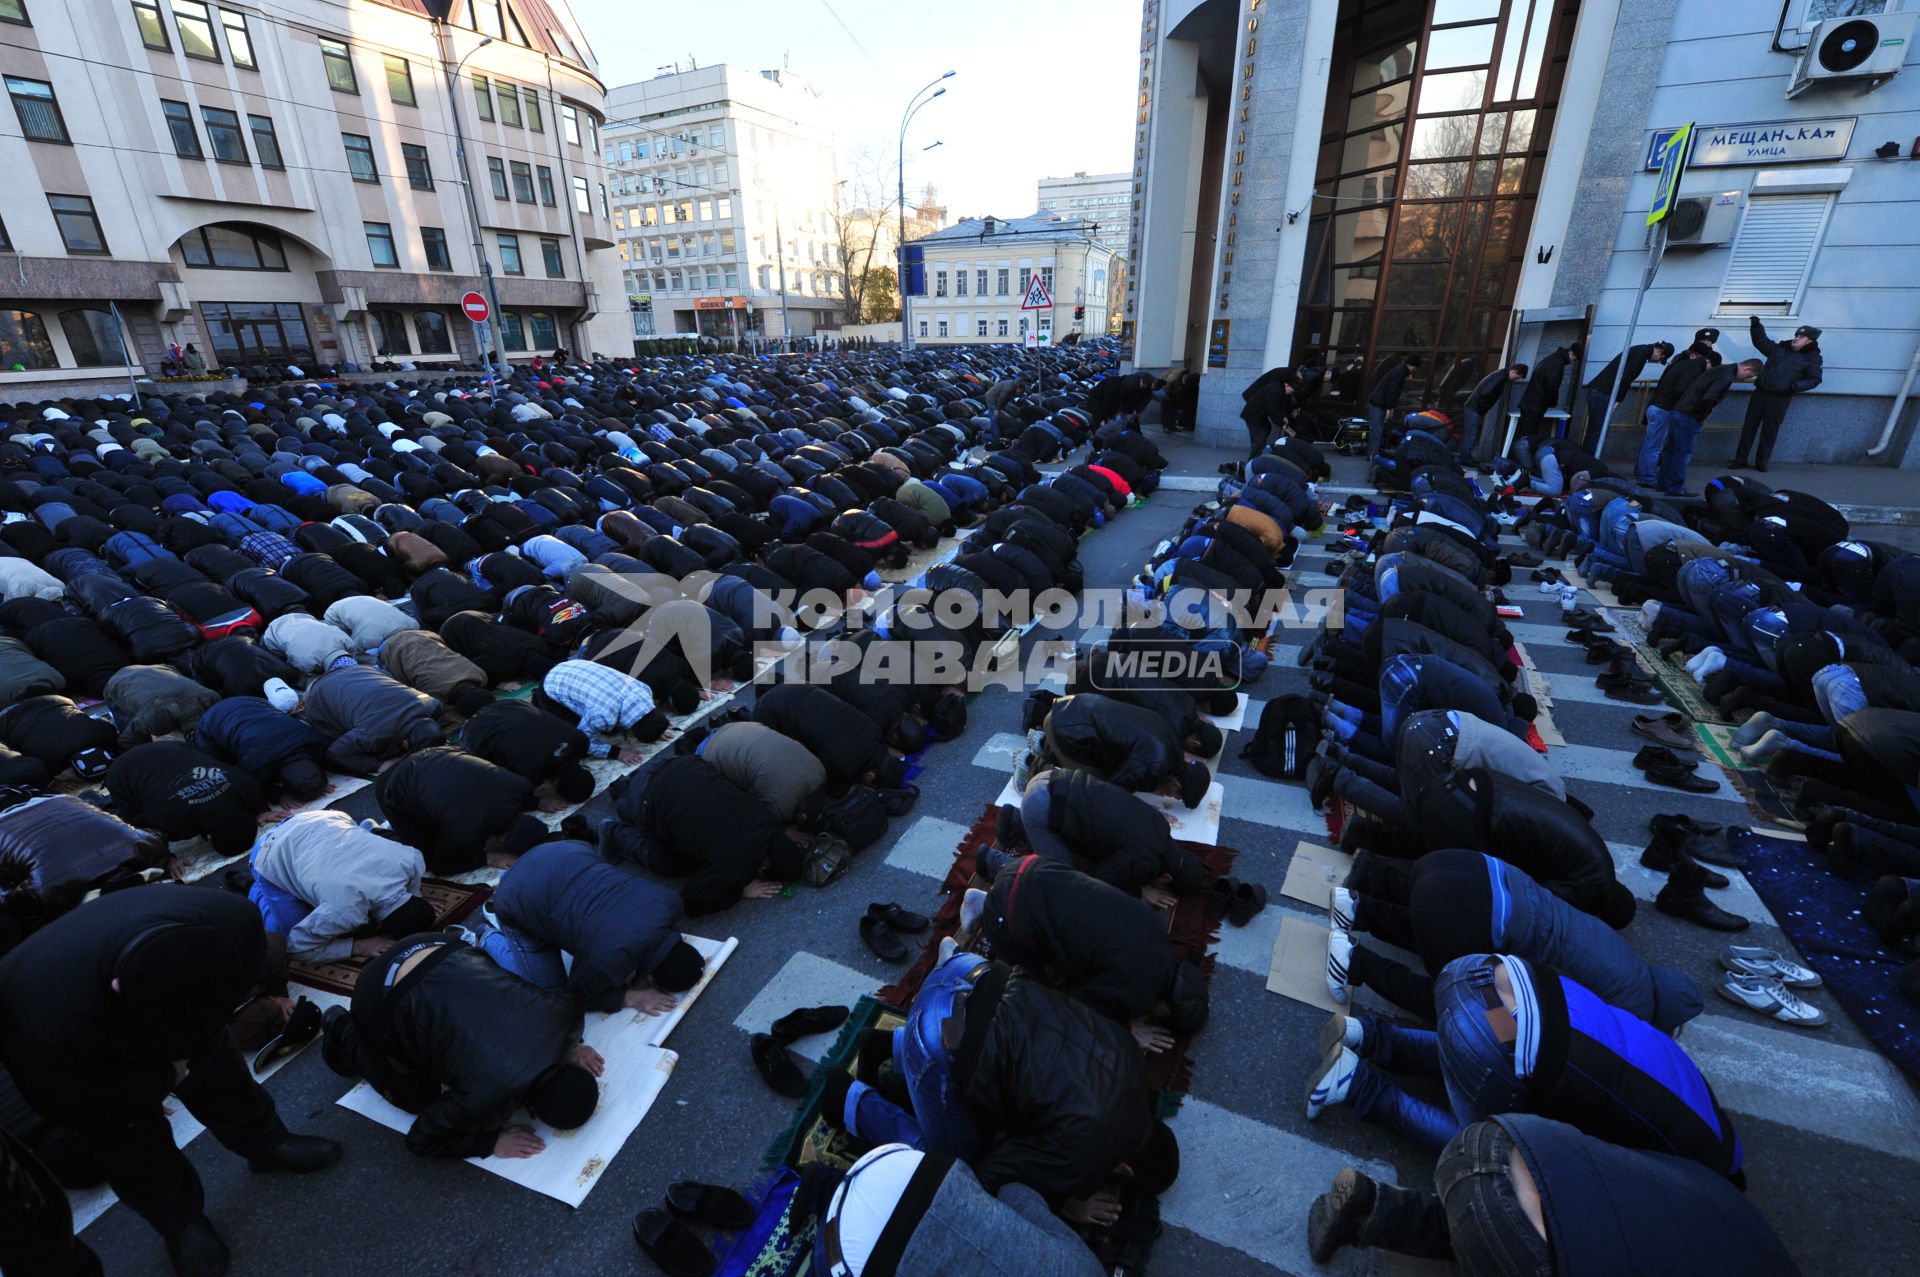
<point>1283,742</point>
<point>858,819</point>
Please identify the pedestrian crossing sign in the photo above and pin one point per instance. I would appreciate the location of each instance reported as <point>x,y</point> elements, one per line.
<point>1036,298</point>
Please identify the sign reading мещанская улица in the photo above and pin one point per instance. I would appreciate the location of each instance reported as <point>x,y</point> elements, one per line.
<point>1762,142</point>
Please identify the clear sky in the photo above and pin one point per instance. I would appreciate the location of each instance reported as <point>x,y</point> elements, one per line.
<point>1044,87</point>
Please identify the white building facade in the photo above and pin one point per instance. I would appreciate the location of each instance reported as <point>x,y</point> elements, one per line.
<point>283,184</point>
<point>1470,179</point>
<point>725,192</point>
<point>1099,201</point>
<point>979,271</point>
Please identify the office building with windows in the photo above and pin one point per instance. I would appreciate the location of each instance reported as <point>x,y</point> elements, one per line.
<point>281,184</point>
<point>977,272</point>
<point>1099,201</point>
<point>725,203</point>
<point>1470,180</point>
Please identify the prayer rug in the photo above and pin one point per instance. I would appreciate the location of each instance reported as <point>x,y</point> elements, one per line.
<point>452,902</point>
<point>779,1242</point>
<point>1822,913</point>
<point>1673,681</point>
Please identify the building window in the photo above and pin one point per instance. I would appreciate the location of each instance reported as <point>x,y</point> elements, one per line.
<point>14,11</point>
<point>195,22</point>
<point>223,131</point>
<point>923,328</point>
<point>79,228</point>
<point>339,63</point>
<point>531,101</point>
<point>186,139</point>
<point>723,208</point>
<point>523,181</point>
<point>231,246</point>
<point>266,143</point>
<point>606,213</point>
<point>497,170</point>
<point>960,283</point>
<point>93,338</point>
<point>1046,279</point>
<point>380,243</point>
<point>1026,279</point>
<point>981,328</point>
<point>390,333</point>
<point>33,102</point>
<point>483,97</point>
<point>1002,330</point>
<point>430,326</point>
<point>433,242</point>
<point>1773,254</point>
<point>400,81</point>
<point>570,126</point>
<point>582,196</point>
<point>419,167</point>
<point>940,283</point>
<point>550,255</point>
<point>239,39</point>
<point>360,157</point>
<point>943,328</point>
<point>1002,290</point>
<point>545,175</point>
<point>153,27</point>
<point>980,286</point>
<point>510,254</point>
<point>485,15</point>
<point>23,341</point>
<point>543,330</point>
<point>513,332</point>
<point>509,105</point>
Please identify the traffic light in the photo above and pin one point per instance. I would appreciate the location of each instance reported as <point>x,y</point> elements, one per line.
<point>1079,313</point>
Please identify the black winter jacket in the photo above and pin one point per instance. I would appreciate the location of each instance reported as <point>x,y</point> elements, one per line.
<point>181,791</point>
<point>1108,948</point>
<point>1132,747</point>
<point>448,803</point>
<point>847,742</point>
<point>699,823</point>
<point>1127,842</point>
<point>1787,371</point>
<point>1064,1085</point>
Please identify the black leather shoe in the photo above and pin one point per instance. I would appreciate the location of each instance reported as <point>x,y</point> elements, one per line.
<point>1661,856</point>
<point>197,1251</point>
<point>1661,756</point>
<point>301,1154</point>
<point>671,1244</point>
<point>1681,778</point>
<point>1685,897</point>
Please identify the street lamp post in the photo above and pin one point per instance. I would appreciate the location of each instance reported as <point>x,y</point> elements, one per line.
<point>906,297</point>
<point>487,357</point>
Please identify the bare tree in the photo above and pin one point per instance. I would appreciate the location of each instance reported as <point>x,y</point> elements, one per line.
<point>860,222</point>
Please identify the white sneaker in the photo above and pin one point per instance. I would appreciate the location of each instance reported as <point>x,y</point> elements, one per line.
<point>1769,743</point>
<point>1756,726</point>
<point>1746,959</point>
<point>1339,958</point>
<point>1332,1080</point>
<point>1770,998</point>
<point>1341,904</point>
<point>1342,1030</point>
<point>1649,610</point>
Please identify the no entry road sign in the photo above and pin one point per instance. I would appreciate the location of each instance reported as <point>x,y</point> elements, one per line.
<point>474,307</point>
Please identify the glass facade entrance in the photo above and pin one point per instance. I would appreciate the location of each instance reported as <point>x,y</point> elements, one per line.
<point>257,332</point>
<point>1435,135</point>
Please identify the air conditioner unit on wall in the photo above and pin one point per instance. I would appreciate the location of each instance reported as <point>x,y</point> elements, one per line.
<point>1843,50</point>
<point>1702,221</point>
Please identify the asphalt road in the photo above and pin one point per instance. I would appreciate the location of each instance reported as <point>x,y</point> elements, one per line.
<point>1831,1131</point>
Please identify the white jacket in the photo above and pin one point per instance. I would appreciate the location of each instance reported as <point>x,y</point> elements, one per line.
<point>23,579</point>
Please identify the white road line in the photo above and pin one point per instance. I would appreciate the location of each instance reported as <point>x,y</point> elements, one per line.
<point>1266,802</point>
<point>927,846</point>
<point>1251,1189</point>
<point>997,754</point>
<point>1789,1076</point>
<point>806,980</point>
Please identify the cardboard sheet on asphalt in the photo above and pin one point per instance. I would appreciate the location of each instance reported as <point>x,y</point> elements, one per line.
<point>1231,722</point>
<point>1313,872</point>
<point>1299,964</point>
<point>637,1069</point>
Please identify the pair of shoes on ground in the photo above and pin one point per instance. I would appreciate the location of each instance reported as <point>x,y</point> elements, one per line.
<point>1704,840</point>
<point>1672,729</point>
<point>1685,897</point>
<point>675,1247</point>
<point>1762,983</point>
<point>1664,767</point>
<point>882,925</point>
<point>777,1067</point>
<point>1235,900</point>
<point>1625,682</point>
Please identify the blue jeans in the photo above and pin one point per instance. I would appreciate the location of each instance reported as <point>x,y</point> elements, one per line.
<point>1836,690</point>
<point>1598,410</point>
<point>1376,427</point>
<point>878,1120</point>
<point>1683,432</point>
<point>1469,432</point>
<point>1399,679</point>
<point>1476,1066</point>
<point>937,1111</point>
<point>1036,809</point>
<point>538,964</point>
<point>1646,467</point>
